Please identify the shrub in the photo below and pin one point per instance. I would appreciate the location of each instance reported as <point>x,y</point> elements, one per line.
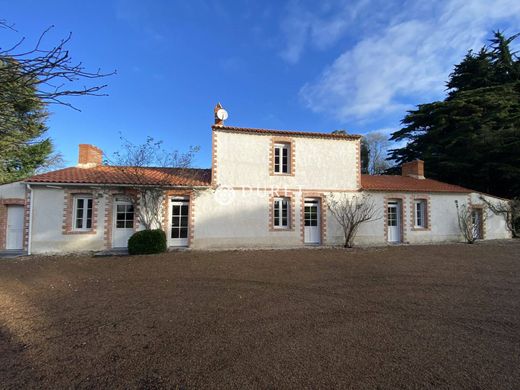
<point>146,242</point>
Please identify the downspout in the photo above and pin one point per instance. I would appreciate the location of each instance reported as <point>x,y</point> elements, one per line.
<point>29,233</point>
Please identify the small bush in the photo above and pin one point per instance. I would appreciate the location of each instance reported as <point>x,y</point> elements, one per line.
<point>147,242</point>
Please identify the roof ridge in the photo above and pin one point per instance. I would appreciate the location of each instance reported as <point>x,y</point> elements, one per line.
<point>281,131</point>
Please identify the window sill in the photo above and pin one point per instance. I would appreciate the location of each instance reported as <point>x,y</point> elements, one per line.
<point>285,229</point>
<point>80,232</point>
<point>418,228</point>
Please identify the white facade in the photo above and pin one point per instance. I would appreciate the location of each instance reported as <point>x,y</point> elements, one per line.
<point>247,204</point>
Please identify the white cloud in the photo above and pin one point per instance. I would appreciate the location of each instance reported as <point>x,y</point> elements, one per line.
<point>406,58</point>
<point>317,24</point>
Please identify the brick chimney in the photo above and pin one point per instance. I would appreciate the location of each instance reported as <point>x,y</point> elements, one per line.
<point>413,169</point>
<point>218,122</point>
<point>89,156</point>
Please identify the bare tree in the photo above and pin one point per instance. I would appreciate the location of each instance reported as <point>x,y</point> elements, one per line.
<point>49,70</point>
<point>378,145</point>
<point>351,212</point>
<point>147,169</point>
<point>469,227</point>
<point>509,210</point>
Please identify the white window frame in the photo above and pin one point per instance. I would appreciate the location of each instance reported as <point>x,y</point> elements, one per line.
<point>278,221</point>
<point>85,199</point>
<point>280,147</point>
<point>422,206</point>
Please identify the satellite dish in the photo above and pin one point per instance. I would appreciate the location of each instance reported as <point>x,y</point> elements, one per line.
<point>222,114</point>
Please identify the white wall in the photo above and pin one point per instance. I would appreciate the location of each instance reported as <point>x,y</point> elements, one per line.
<point>244,223</point>
<point>14,190</point>
<point>243,159</point>
<point>47,236</point>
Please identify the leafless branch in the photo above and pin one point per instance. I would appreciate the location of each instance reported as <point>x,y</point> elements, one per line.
<point>509,210</point>
<point>137,163</point>
<point>469,229</point>
<point>351,212</point>
<point>49,71</point>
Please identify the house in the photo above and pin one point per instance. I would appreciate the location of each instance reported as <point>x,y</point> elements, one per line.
<point>265,189</point>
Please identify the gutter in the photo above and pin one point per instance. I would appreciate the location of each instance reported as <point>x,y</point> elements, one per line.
<point>50,184</point>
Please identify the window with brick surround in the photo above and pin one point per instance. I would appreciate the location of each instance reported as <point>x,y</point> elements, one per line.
<point>421,213</point>
<point>282,158</point>
<point>281,217</point>
<point>82,213</point>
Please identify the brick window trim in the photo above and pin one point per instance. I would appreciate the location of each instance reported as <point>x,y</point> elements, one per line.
<point>292,207</point>
<point>68,209</point>
<point>214,160</point>
<point>323,215</point>
<point>292,159</point>
<point>190,194</point>
<point>482,207</point>
<point>402,198</point>
<point>4,203</point>
<point>427,199</point>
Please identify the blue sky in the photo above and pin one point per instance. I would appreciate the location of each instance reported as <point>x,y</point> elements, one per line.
<point>305,65</point>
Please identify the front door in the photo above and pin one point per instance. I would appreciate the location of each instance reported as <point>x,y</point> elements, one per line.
<point>394,221</point>
<point>312,232</point>
<point>476,219</point>
<point>179,227</point>
<point>14,239</point>
<point>123,222</point>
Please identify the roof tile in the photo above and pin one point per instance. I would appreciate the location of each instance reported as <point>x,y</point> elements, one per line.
<point>404,183</point>
<point>127,175</point>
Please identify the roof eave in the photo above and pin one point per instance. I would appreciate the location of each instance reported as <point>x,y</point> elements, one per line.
<point>49,183</point>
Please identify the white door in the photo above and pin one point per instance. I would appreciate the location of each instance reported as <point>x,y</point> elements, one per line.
<point>179,222</point>
<point>15,215</point>
<point>312,216</point>
<point>394,222</point>
<point>123,227</point>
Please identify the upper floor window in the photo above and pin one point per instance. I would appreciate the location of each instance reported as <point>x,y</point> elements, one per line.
<point>82,212</point>
<point>420,213</point>
<point>281,213</point>
<point>282,160</point>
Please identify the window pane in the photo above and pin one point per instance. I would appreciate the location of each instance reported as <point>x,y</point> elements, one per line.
<point>120,224</point>
<point>89,223</point>
<point>175,232</point>
<point>176,210</point>
<point>79,223</point>
<point>89,203</point>
<point>184,210</point>
<point>129,224</point>
<point>184,221</point>
<point>184,233</point>
<point>175,221</point>
<point>80,203</point>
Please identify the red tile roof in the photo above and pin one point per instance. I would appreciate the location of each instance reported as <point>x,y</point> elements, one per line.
<point>404,183</point>
<point>127,175</point>
<point>286,132</point>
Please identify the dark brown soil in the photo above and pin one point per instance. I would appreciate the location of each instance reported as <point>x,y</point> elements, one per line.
<point>411,316</point>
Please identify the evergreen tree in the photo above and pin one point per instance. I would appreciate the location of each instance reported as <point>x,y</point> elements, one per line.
<point>472,138</point>
<point>23,145</point>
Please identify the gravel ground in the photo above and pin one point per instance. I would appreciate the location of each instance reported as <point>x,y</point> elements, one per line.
<point>442,316</point>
